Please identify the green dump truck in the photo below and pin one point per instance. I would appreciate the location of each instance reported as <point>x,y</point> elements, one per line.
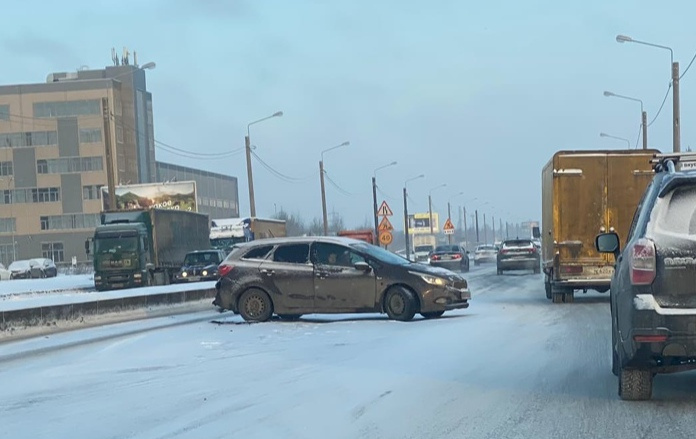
<point>136,248</point>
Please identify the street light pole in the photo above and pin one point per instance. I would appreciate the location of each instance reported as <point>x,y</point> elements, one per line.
<point>325,215</point>
<point>247,147</point>
<point>676,135</point>
<point>478,238</point>
<point>430,206</point>
<point>374,198</point>
<point>643,115</point>
<point>449,214</point>
<point>406,237</point>
<point>628,142</point>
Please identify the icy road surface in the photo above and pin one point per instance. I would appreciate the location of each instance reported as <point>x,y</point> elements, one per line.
<point>511,366</point>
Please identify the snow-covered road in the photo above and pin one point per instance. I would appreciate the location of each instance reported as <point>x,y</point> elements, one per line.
<point>511,366</point>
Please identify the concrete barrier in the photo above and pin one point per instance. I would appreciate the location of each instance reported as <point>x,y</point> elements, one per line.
<point>41,320</point>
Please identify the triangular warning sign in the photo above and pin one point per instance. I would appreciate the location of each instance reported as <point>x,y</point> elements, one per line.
<point>384,210</point>
<point>385,225</point>
<point>448,225</point>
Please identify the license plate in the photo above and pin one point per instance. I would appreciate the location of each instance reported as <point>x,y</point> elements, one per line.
<point>194,278</point>
<point>118,285</point>
<point>599,271</point>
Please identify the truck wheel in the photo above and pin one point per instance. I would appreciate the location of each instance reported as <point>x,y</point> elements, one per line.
<point>547,287</point>
<point>569,297</point>
<point>400,303</point>
<point>255,305</point>
<point>635,384</point>
<point>557,298</point>
<point>432,315</point>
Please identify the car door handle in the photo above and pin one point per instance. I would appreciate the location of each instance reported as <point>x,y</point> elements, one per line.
<point>321,275</point>
<point>267,272</point>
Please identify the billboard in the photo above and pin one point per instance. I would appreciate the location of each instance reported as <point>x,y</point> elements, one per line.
<point>177,195</point>
<point>419,223</point>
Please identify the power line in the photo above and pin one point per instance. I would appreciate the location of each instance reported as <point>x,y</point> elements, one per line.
<point>335,185</point>
<point>381,192</point>
<point>275,172</point>
<point>640,131</point>
<point>662,105</point>
<point>687,67</point>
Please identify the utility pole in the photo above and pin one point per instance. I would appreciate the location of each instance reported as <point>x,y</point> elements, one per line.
<point>110,181</point>
<point>466,230</point>
<point>250,178</point>
<point>507,230</point>
<point>449,217</point>
<point>644,118</point>
<point>374,208</point>
<point>323,198</point>
<point>430,209</point>
<point>408,246</point>
<point>478,240</point>
<point>676,137</point>
<point>493,227</point>
<point>485,230</point>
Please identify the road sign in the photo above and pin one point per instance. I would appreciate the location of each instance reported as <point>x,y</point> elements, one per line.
<point>384,210</point>
<point>385,225</point>
<point>385,238</point>
<point>448,228</point>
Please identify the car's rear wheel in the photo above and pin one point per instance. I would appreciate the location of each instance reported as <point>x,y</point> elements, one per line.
<point>290,316</point>
<point>635,384</point>
<point>255,305</point>
<point>432,315</point>
<point>400,303</point>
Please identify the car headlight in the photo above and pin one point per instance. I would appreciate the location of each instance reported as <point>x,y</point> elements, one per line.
<point>138,276</point>
<point>432,280</point>
<point>205,272</point>
<point>97,277</point>
<point>184,274</point>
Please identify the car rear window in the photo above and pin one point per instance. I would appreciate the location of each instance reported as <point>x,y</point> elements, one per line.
<point>446,248</point>
<point>676,211</point>
<point>292,254</point>
<point>517,243</point>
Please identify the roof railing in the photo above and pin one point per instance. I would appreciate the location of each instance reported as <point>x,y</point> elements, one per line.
<point>668,162</point>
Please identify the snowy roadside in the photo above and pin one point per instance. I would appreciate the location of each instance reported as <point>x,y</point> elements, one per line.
<point>75,283</point>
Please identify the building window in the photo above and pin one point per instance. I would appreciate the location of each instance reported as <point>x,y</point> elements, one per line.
<point>119,134</point>
<point>4,112</point>
<point>5,168</point>
<point>69,164</point>
<point>67,108</point>
<point>53,250</point>
<point>7,225</point>
<point>92,192</point>
<point>38,195</point>
<point>90,135</point>
<point>70,221</point>
<point>30,138</point>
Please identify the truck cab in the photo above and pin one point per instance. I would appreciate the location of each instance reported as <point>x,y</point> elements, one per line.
<point>121,256</point>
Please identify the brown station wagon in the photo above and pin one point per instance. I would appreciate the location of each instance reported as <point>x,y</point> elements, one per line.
<point>295,276</point>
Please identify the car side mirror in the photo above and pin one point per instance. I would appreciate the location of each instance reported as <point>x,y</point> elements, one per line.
<point>608,243</point>
<point>87,246</point>
<point>362,266</point>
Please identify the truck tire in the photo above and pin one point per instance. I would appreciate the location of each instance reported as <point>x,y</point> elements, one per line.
<point>400,303</point>
<point>557,297</point>
<point>547,287</point>
<point>569,297</point>
<point>635,384</point>
<point>255,305</point>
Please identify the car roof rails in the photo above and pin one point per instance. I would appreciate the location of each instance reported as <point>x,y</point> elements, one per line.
<point>668,162</point>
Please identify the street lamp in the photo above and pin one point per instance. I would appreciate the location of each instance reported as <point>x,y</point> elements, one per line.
<point>643,115</point>
<point>430,204</point>
<point>449,213</point>
<point>374,196</point>
<point>406,240</point>
<point>628,142</point>
<point>676,136</point>
<point>247,144</point>
<point>323,190</point>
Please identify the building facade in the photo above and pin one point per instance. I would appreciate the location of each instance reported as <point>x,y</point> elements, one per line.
<point>217,194</point>
<point>52,156</point>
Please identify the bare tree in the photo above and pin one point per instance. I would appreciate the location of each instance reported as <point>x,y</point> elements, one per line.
<point>316,227</point>
<point>293,223</point>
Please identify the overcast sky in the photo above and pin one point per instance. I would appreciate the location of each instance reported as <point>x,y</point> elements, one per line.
<point>477,96</point>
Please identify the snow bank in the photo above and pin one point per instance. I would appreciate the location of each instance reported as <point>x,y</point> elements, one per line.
<point>76,282</point>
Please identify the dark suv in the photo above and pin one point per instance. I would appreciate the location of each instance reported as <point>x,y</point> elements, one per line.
<point>294,276</point>
<point>200,265</point>
<point>653,289</point>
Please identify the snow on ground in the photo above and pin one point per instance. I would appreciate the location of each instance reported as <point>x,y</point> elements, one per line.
<point>75,282</point>
<point>28,300</point>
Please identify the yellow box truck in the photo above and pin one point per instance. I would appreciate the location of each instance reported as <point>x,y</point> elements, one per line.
<point>583,193</point>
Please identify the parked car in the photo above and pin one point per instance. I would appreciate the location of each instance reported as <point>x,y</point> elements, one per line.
<point>485,253</point>
<point>652,290</point>
<point>518,254</point>
<point>33,269</point>
<point>200,265</point>
<point>451,257</point>
<point>4,273</point>
<point>294,276</point>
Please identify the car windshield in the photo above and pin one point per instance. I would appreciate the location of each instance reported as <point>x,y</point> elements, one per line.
<point>380,254</point>
<point>207,258</point>
<point>116,244</point>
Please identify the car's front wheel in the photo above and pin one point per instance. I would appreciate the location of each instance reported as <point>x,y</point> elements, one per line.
<point>255,305</point>
<point>400,303</point>
<point>635,384</point>
<point>432,315</point>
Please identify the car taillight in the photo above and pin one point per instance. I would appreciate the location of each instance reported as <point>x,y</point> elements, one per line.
<point>435,258</point>
<point>571,269</point>
<point>456,256</point>
<point>643,262</point>
<point>224,269</point>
